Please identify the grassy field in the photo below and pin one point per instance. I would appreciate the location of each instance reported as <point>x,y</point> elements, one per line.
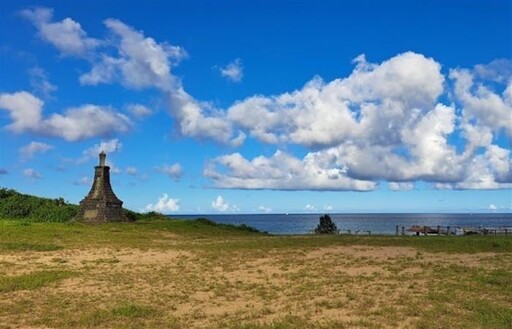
<point>187,274</point>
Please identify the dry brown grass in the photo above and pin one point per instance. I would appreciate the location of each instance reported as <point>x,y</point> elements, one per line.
<point>196,283</point>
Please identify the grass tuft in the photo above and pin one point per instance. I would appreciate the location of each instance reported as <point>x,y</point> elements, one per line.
<point>134,311</point>
<point>21,246</point>
<point>32,280</point>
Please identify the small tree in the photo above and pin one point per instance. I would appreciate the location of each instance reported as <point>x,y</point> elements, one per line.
<point>326,226</point>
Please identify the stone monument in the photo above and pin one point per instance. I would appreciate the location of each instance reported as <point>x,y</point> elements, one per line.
<point>101,204</point>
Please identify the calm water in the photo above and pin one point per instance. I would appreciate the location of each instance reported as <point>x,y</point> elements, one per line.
<point>376,223</point>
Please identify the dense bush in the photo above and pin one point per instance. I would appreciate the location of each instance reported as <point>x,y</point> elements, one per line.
<point>152,215</point>
<point>15,205</point>
<point>326,226</point>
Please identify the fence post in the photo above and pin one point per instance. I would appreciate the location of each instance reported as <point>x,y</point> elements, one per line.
<point>403,230</point>
<point>448,230</point>
<point>397,230</point>
<point>438,230</point>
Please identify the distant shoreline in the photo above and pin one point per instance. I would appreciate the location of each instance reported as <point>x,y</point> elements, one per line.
<point>384,223</point>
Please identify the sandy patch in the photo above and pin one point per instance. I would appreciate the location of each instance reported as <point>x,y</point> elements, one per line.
<point>77,258</point>
<point>343,283</point>
<point>395,253</point>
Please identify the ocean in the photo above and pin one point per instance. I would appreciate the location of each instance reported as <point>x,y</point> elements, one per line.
<point>376,223</point>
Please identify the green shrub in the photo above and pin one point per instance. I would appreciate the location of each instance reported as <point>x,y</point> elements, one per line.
<point>15,205</point>
<point>152,215</point>
<point>326,226</point>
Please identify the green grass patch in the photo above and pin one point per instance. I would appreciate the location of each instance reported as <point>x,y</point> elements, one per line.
<point>490,315</point>
<point>32,280</point>
<point>22,246</point>
<point>209,236</point>
<point>497,279</point>
<point>134,311</point>
<point>287,322</point>
<point>124,316</point>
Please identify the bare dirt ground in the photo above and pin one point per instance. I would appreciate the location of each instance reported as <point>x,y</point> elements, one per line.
<point>333,287</point>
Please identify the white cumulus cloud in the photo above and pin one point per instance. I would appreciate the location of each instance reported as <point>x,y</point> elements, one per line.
<point>108,146</point>
<point>382,122</point>
<point>66,35</point>
<point>481,103</point>
<point>234,71</point>
<point>165,204</point>
<point>221,205</point>
<point>368,104</point>
<point>399,186</point>
<point>139,110</point>
<point>86,121</point>
<point>327,207</point>
<point>28,151</point>
<point>201,120</point>
<point>141,62</point>
<point>265,209</point>
<point>283,171</point>
<point>40,83</point>
<point>25,110</point>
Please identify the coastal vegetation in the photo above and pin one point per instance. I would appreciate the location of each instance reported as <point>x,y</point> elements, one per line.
<point>326,225</point>
<point>171,273</point>
<point>15,205</point>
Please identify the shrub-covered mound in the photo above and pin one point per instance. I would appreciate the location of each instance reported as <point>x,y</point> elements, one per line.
<point>14,205</point>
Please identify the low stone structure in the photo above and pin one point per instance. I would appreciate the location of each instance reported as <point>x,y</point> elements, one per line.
<point>101,204</point>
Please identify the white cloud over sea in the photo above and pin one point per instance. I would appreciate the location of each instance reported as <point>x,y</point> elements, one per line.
<point>164,204</point>
<point>383,122</point>
<point>221,205</point>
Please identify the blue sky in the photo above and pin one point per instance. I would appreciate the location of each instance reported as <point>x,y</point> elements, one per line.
<point>286,106</point>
